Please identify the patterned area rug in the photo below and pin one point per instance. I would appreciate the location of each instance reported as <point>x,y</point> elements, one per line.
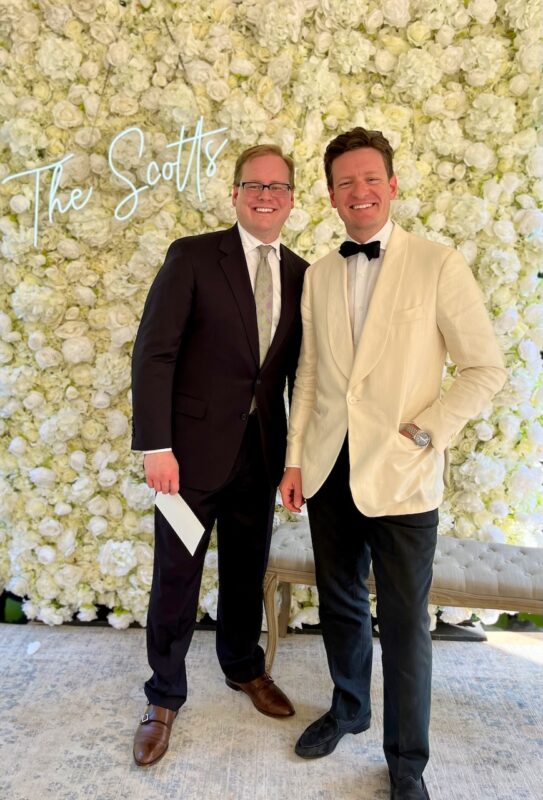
<point>69,707</point>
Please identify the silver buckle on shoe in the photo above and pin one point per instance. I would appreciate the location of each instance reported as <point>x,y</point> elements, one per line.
<point>144,719</point>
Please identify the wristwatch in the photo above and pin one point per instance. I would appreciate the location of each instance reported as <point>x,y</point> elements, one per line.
<point>421,438</point>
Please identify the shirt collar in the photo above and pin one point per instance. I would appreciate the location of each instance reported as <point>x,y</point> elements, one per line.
<point>382,235</point>
<point>250,242</point>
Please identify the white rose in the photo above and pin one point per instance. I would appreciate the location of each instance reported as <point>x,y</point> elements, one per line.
<point>137,495</point>
<point>396,12</point>
<point>107,478</point>
<point>66,542</point>
<point>117,558</point>
<point>484,431</point>
<point>19,203</point>
<point>505,231</point>
<point>467,216</point>
<point>534,163</point>
<point>118,53</point>
<point>115,509</point>
<point>50,615</point>
<point>483,11</point>
<point>76,172</point>
<point>529,222</point>
<point>445,35</point>
<point>117,424</point>
<point>47,357</point>
<point>120,619</point>
<point>529,351</point>
<point>84,9</point>
<point>42,476</point>
<point>46,554</point>
<point>77,460</point>
<point>123,105</point>
<point>97,506</point>
<point>97,526</point>
<point>78,349</point>
<point>519,85</point>
<point>66,115</point>
<point>218,90</point>
<point>87,613</point>
<point>62,509</point>
<point>100,400</point>
<point>531,57</point>
<point>280,68</point>
<point>480,156</point>
<point>384,61</point>
<point>81,489</point>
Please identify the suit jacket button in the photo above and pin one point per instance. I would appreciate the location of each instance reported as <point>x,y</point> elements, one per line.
<point>244,417</point>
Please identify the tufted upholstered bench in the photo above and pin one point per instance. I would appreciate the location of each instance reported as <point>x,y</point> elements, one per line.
<point>466,573</point>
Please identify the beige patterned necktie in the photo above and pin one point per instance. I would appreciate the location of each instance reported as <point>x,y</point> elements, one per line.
<point>263,299</point>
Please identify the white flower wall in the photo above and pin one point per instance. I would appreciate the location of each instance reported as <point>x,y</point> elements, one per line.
<point>455,87</point>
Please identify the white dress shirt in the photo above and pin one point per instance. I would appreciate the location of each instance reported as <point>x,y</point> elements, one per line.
<point>250,244</point>
<point>361,279</point>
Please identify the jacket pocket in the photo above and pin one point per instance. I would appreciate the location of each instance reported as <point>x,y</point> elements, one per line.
<point>190,406</point>
<point>407,314</point>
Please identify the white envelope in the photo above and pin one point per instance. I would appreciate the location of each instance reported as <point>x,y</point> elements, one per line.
<point>182,519</point>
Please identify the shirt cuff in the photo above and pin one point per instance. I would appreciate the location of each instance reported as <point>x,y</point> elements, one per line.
<point>162,450</point>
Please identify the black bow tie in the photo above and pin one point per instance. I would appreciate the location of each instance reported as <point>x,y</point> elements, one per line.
<point>370,249</point>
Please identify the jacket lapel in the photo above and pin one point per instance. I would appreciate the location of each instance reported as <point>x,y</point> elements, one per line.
<point>233,263</point>
<point>382,305</point>
<point>339,325</point>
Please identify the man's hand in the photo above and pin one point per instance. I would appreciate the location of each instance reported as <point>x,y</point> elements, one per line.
<point>291,489</point>
<point>162,472</point>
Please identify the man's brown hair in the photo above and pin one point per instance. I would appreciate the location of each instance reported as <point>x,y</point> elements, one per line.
<point>354,140</point>
<point>262,150</point>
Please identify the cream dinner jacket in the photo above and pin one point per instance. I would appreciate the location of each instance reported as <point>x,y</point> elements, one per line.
<point>426,304</point>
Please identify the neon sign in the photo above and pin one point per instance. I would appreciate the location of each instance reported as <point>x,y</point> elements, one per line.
<point>201,143</point>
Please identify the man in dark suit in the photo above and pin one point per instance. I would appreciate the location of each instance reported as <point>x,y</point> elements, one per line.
<point>219,336</point>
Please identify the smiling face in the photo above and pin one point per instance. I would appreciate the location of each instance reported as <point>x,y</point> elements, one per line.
<point>263,214</point>
<point>361,191</point>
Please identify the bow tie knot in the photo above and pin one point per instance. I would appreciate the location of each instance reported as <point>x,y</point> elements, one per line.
<point>370,249</point>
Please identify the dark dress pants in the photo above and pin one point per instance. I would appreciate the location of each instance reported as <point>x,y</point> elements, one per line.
<point>402,549</point>
<point>243,508</point>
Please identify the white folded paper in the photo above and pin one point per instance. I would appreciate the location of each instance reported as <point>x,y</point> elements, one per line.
<point>182,519</point>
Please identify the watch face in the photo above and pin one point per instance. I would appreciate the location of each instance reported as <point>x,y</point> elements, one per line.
<point>422,438</point>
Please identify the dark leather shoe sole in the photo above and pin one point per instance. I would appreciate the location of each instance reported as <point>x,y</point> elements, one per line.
<point>329,743</point>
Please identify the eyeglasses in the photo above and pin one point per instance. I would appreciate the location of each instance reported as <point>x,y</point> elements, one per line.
<point>254,187</point>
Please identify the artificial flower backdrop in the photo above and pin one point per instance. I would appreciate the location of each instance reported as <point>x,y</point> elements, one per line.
<point>452,84</point>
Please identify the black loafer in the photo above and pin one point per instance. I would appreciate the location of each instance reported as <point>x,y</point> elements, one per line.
<point>409,789</point>
<point>322,736</point>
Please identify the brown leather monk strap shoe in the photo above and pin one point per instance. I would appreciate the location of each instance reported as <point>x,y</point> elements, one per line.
<point>266,696</point>
<point>153,735</point>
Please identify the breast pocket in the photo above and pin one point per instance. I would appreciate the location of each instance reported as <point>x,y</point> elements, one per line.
<point>412,314</point>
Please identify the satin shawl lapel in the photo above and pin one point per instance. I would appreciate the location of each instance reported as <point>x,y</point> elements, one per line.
<point>233,263</point>
<point>288,303</point>
<point>339,322</point>
<point>382,305</point>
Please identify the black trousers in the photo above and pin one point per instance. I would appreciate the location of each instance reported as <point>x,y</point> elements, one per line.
<point>243,509</point>
<point>402,548</point>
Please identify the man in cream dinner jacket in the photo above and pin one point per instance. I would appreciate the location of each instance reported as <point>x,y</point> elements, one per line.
<point>369,428</point>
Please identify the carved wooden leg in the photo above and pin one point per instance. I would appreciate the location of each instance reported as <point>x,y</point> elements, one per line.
<point>284,614</point>
<point>270,587</point>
